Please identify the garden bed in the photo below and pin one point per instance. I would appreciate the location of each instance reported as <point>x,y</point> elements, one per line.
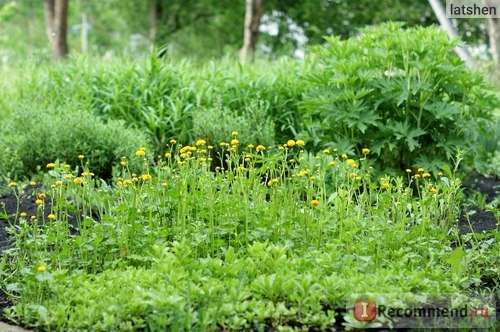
<point>269,257</point>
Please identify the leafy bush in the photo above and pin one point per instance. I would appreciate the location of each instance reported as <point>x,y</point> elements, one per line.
<point>36,137</point>
<point>152,96</point>
<point>215,124</point>
<point>402,93</point>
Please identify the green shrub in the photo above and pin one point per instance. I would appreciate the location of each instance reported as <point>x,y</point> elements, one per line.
<point>34,137</point>
<point>402,93</point>
<point>274,86</point>
<point>152,96</point>
<point>215,124</point>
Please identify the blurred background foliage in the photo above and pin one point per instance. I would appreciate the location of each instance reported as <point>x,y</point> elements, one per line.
<point>206,29</point>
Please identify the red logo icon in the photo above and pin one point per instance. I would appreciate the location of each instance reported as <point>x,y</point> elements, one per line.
<point>365,310</point>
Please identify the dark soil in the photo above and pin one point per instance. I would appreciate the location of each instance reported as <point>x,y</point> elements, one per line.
<point>478,222</point>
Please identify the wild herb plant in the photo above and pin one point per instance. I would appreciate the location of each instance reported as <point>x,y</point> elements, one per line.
<point>277,236</point>
<point>400,91</point>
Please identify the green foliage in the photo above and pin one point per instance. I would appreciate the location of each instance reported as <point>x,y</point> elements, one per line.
<point>186,248</point>
<point>35,137</point>
<point>215,124</point>
<point>153,97</point>
<point>399,92</point>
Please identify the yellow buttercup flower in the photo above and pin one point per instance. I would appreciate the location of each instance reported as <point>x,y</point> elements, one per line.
<point>331,163</point>
<point>365,151</point>
<point>23,214</point>
<point>51,165</point>
<point>434,190</point>
<point>81,156</point>
<point>300,142</point>
<point>260,148</point>
<point>12,184</point>
<point>290,143</point>
<point>38,202</point>
<point>426,175</point>
<point>140,153</point>
<point>408,170</point>
<point>146,177</point>
<point>234,133</point>
<point>201,142</point>
<point>420,170</point>
<point>326,151</point>
<point>234,141</point>
<point>41,268</point>
<point>173,141</point>
<point>52,216</point>
<point>78,181</point>
<point>314,203</point>
<point>32,183</point>
<point>344,156</point>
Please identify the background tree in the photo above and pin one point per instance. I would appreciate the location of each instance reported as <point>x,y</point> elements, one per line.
<point>253,13</point>
<point>56,20</point>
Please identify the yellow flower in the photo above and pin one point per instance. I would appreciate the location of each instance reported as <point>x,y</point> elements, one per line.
<point>426,175</point>
<point>260,148</point>
<point>140,153</point>
<point>123,163</point>
<point>66,166</point>
<point>385,185</point>
<point>81,156</point>
<point>326,151</point>
<point>41,268</point>
<point>272,182</point>
<point>247,159</point>
<point>201,142</point>
<point>12,184</point>
<point>210,147</point>
<point>350,162</point>
<point>365,151</point>
<point>434,190</point>
<point>331,163</point>
<point>234,141</point>
<point>408,170</point>
<point>69,176</point>
<point>314,203</point>
<point>38,202</point>
<point>146,177</point>
<point>32,183</point>
<point>440,173</point>
<point>51,165</point>
<point>420,170</point>
<point>59,183</point>
<point>344,156</point>
<point>52,216</point>
<point>53,186</point>
<point>33,217</point>
<point>290,143</point>
<point>78,181</point>
<point>300,142</point>
<point>417,176</point>
<point>250,146</point>
<point>234,133</point>
<point>42,196</point>
<point>173,141</point>
<point>22,214</point>
<point>352,176</point>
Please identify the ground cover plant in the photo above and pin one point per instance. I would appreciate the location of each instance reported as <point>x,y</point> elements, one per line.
<point>279,237</point>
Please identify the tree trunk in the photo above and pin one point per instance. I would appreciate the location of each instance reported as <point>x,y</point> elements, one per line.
<point>56,18</point>
<point>445,23</point>
<point>253,13</point>
<point>154,11</point>
<point>494,34</point>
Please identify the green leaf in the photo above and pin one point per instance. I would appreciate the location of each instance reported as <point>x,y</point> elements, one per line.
<point>458,262</point>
